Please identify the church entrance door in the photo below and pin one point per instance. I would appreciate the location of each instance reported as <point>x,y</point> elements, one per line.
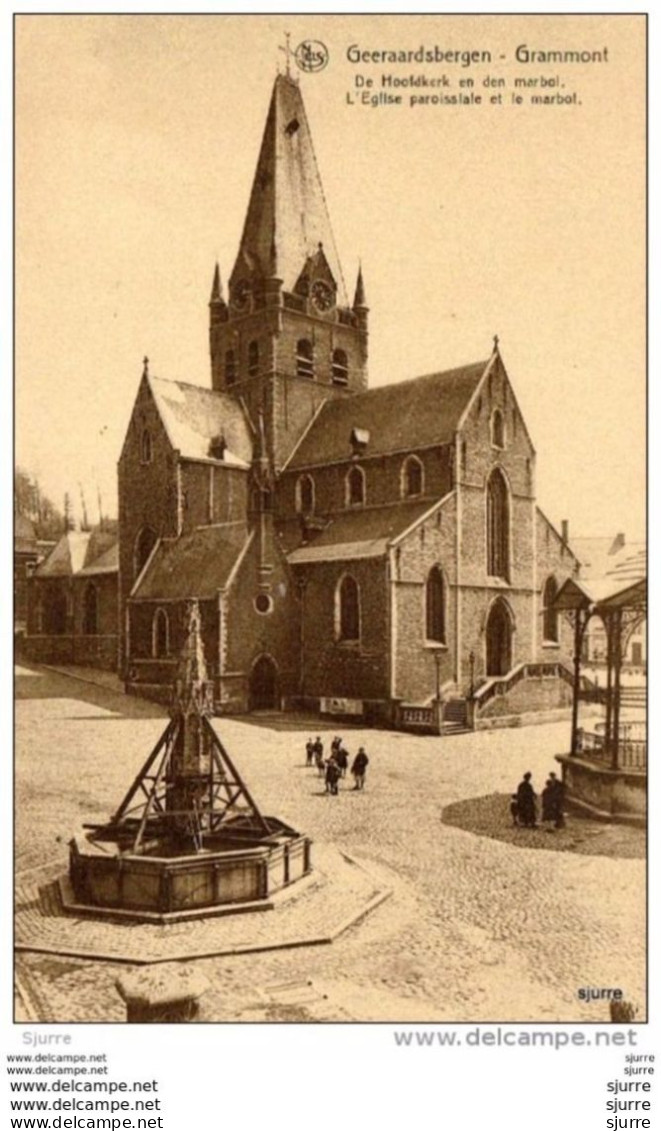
<point>499,640</point>
<point>264,685</point>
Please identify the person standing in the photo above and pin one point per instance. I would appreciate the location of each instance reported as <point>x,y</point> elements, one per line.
<point>332,776</point>
<point>342,759</point>
<point>526,801</point>
<point>359,768</point>
<point>548,801</point>
<point>318,748</point>
<point>557,801</point>
<point>309,752</point>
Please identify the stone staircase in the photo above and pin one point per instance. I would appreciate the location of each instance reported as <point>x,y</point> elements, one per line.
<point>455,716</point>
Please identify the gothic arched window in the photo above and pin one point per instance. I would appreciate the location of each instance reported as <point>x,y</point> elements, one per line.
<point>435,606</point>
<point>160,634</point>
<point>146,453</point>
<point>412,477</point>
<point>498,429</point>
<point>347,615</point>
<point>498,526</point>
<point>90,611</point>
<point>144,545</point>
<point>230,367</point>
<point>340,367</point>
<point>550,613</point>
<point>355,484</point>
<point>304,358</point>
<point>305,494</point>
<point>253,359</point>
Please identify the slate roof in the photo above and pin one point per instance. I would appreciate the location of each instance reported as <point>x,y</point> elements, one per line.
<point>287,216</point>
<point>192,416</point>
<point>419,413</point>
<point>197,564</point>
<point>361,533</point>
<point>75,552</point>
<point>107,562</point>
<point>601,557</point>
<point>67,556</point>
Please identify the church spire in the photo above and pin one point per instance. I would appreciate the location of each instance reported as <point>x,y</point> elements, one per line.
<point>359,300</point>
<point>287,216</point>
<point>216,287</point>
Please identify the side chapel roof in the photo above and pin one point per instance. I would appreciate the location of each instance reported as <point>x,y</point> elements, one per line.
<point>365,532</point>
<point>197,564</point>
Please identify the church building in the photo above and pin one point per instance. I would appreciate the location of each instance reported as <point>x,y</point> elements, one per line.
<point>366,552</point>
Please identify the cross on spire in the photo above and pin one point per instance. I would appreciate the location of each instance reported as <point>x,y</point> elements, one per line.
<point>287,52</point>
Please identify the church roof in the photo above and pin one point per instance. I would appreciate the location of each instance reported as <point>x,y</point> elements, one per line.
<point>287,216</point>
<point>419,413</point>
<point>361,533</point>
<point>602,557</point>
<point>193,416</point>
<point>76,552</point>
<point>197,564</point>
<point>107,562</point>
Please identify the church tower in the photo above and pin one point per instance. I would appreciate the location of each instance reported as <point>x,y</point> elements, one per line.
<point>287,338</point>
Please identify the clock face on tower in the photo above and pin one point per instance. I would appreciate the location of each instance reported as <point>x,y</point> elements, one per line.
<point>241,295</point>
<point>322,295</point>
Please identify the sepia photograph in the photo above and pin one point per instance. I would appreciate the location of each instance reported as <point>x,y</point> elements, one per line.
<point>330,545</point>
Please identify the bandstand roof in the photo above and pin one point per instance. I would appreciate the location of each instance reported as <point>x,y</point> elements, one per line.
<point>606,594</point>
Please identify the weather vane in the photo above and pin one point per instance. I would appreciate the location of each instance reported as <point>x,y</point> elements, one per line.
<point>287,52</point>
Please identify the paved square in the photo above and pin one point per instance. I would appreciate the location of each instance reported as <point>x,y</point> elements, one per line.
<point>475,929</point>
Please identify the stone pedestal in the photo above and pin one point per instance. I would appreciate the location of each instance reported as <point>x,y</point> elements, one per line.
<point>603,793</point>
<point>162,993</point>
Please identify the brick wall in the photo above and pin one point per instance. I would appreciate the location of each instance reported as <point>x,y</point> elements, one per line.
<point>105,585</point>
<point>383,481</point>
<point>535,694</point>
<point>289,402</point>
<point>147,491</point>
<point>477,459</point>
<point>431,544</point>
<point>142,615</point>
<point>554,558</point>
<point>333,668</point>
<point>212,493</point>
<point>248,634</point>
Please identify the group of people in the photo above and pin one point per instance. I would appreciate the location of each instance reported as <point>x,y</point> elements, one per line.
<point>523,804</point>
<point>336,765</point>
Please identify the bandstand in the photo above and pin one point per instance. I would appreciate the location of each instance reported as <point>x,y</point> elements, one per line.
<point>605,772</point>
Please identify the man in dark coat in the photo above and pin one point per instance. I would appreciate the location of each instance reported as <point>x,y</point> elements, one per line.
<point>332,776</point>
<point>557,801</point>
<point>359,768</point>
<point>318,748</point>
<point>526,797</point>
<point>547,801</point>
<point>342,759</point>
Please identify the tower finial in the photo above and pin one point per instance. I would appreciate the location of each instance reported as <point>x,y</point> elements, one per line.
<point>360,301</point>
<point>145,366</point>
<point>287,53</point>
<point>495,343</point>
<point>216,287</point>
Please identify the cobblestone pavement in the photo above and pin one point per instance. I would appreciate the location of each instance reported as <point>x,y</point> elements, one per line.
<point>477,929</point>
<point>337,893</point>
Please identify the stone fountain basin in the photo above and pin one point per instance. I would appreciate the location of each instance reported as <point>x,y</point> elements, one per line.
<point>160,884</point>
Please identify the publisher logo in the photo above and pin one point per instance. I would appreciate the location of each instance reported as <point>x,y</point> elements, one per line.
<point>311,55</point>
